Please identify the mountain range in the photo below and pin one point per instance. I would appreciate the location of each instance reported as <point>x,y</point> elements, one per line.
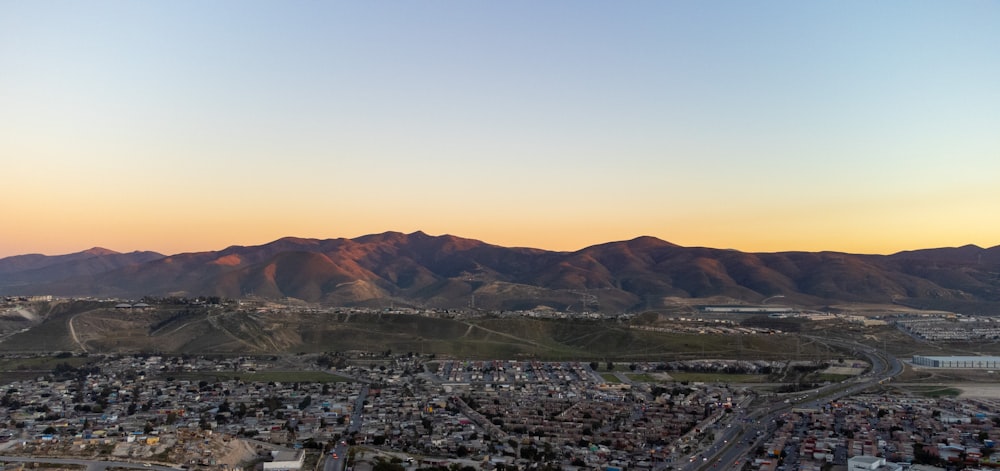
<point>395,269</point>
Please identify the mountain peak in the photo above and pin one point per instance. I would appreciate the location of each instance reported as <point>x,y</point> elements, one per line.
<point>650,241</point>
<point>446,270</point>
<point>638,243</point>
<point>965,252</point>
<point>98,251</point>
<point>296,241</point>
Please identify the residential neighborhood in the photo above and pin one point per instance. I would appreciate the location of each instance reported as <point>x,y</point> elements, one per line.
<point>426,413</point>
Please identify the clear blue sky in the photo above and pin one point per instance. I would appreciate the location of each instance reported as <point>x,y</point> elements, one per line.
<point>762,126</point>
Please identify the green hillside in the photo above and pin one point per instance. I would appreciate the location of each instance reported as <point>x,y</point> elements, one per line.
<point>101,328</point>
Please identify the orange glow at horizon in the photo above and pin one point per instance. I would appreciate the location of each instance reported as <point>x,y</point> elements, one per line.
<point>676,120</point>
<point>191,235</point>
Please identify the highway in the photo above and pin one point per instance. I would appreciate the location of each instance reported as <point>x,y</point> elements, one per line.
<point>735,445</point>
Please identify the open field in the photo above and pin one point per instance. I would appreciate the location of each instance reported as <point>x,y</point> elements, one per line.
<point>967,382</point>
<point>980,390</point>
<point>610,378</point>
<point>823,377</point>
<point>930,390</point>
<point>912,374</point>
<point>28,368</point>
<point>717,377</point>
<point>262,376</point>
<point>942,392</point>
<point>41,363</point>
<point>646,378</point>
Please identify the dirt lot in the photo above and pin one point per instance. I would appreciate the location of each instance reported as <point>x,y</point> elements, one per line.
<point>972,382</point>
<point>991,391</point>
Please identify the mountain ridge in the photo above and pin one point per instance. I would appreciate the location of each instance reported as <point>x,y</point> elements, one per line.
<point>446,271</point>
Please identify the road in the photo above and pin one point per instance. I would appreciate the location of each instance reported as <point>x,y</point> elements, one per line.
<point>736,443</point>
<point>72,333</point>
<point>337,459</point>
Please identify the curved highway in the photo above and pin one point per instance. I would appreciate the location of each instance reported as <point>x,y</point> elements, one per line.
<point>735,444</point>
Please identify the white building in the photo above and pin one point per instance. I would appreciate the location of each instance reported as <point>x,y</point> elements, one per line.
<point>871,463</point>
<point>286,461</point>
<point>957,361</point>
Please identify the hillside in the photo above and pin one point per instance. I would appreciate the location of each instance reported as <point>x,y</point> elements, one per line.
<point>100,328</point>
<point>451,272</point>
<point>21,272</point>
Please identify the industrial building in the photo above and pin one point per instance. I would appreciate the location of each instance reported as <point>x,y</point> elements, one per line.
<point>983,362</point>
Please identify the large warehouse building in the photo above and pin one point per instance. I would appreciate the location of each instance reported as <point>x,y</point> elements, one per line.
<point>957,362</point>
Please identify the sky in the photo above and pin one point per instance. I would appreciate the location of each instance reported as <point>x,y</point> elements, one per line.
<point>180,126</point>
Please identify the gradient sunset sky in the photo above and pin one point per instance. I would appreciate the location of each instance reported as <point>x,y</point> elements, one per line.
<point>177,126</point>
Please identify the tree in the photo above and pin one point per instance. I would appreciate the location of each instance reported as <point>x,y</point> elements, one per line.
<point>306,401</point>
<point>273,403</point>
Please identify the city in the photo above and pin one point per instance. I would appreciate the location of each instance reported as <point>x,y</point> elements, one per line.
<point>366,410</point>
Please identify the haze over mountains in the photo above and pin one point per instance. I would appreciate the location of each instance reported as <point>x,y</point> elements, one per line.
<point>451,272</point>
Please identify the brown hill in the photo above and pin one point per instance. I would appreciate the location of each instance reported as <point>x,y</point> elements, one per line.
<point>450,272</point>
<point>19,273</point>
